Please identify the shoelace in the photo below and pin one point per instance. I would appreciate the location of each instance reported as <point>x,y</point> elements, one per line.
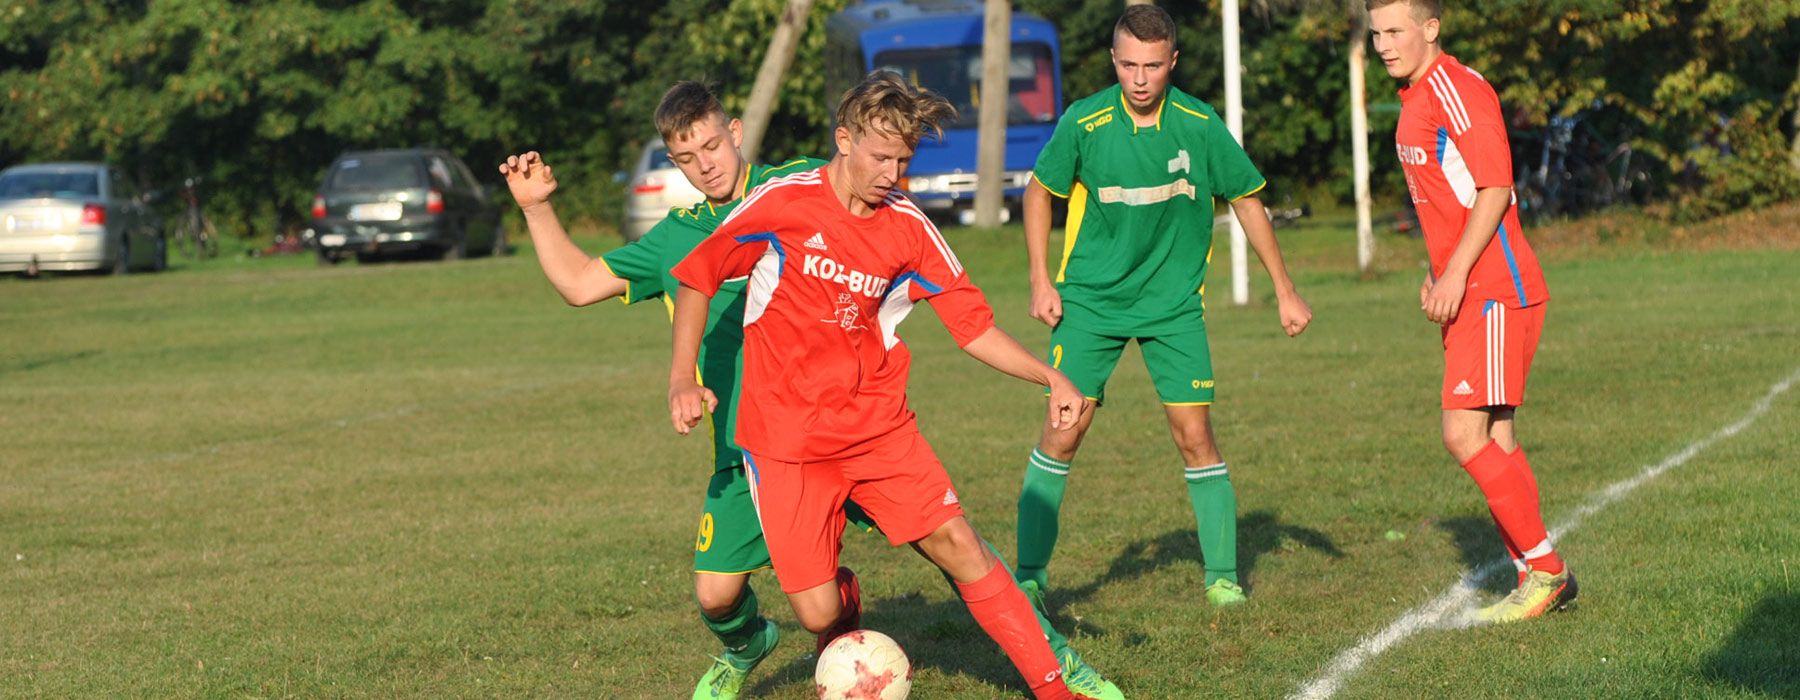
<point>726,677</point>
<point>1077,674</point>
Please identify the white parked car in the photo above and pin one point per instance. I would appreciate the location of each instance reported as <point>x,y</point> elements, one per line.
<point>656,186</point>
<point>76,216</point>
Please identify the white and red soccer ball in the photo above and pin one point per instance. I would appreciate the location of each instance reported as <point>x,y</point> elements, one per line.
<point>863,665</point>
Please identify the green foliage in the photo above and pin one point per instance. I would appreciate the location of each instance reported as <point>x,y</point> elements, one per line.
<point>258,96</point>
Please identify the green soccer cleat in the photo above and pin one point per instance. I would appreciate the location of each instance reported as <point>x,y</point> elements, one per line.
<point>1034,593</point>
<point>1224,592</point>
<point>725,680</point>
<point>1539,594</point>
<point>1086,681</point>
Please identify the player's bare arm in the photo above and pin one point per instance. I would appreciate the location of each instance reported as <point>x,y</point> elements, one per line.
<point>999,350</point>
<point>1294,312</point>
<point>1445,297</point>
<point>688,401</point>
<point>580,280</point>
<point>1046,302</point>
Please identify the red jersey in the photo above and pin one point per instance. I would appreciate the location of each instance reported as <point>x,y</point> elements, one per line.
<point>824,372</point>
<point>1452,141</point>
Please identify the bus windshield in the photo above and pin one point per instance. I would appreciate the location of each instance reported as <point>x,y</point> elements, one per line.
<point>955,73</point>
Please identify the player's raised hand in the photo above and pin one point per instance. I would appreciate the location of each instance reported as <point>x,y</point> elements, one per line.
<point>688,403</point>
<point>1295,314</point>
<point>530,179</point>
<point>1046,304</point>
<point>1066,403</point>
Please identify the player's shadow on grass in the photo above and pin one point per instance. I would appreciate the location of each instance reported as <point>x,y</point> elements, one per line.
<point>1763,656</point>
<point>1260,533</point>
<point>1479,543</point>
<point>939,634</point>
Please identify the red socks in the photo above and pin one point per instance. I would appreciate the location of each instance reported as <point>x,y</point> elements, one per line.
<point>1003,612</point>
<point>1511,490</point>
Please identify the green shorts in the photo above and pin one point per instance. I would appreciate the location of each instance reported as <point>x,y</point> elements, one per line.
<point>730,539</point>
<point>1180,363</point>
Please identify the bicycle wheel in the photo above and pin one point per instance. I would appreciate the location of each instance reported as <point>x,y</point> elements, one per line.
<point>209,238</point>
<point>185,237</point>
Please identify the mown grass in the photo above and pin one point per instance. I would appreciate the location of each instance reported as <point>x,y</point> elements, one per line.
<point>263,478</point>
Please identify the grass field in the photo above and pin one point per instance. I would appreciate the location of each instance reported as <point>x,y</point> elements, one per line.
<point>262,478</point>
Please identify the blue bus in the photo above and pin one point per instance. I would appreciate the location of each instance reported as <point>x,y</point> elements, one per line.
<point>936,44</point>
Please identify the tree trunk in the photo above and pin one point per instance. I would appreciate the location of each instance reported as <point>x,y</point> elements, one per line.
<point>990,168</point>
<point>767,90</point>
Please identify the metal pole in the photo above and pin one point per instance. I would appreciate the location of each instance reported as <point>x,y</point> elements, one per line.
<point>1234,120</point>
<point>767,89</point>
<point>990,168</point>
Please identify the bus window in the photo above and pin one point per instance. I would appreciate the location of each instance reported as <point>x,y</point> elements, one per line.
<point>955,73</point>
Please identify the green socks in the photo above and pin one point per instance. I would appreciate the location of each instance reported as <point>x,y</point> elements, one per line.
<point>1039,502</point>
<point>738,631</point>
<point>1215,514</point>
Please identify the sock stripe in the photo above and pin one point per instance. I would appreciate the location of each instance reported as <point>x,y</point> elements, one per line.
<point>1039,456</point>
<point>1196,473</point>
<point>1050,465</point>
<point>1542,550</point>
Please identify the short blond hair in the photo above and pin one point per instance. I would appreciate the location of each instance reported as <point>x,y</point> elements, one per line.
<point>885,103</point>
<point>1421,9</point>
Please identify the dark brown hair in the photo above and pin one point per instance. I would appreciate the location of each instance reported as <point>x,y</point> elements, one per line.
<point>1421,9</point>
<point>687,103</point>
<point>1148,23</point>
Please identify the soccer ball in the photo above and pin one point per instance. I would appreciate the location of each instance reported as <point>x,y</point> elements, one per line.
<point>863,665</point>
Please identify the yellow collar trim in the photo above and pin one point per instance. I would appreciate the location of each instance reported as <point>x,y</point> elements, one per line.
<point>1159,109</point>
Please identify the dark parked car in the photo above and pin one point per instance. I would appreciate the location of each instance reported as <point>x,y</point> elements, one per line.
<point>374,204</point>
<point>76,216</point>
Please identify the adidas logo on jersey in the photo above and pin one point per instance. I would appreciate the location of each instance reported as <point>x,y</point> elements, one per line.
<point>1462,388</point>
<point>950,497</point>
<point>817,242</point>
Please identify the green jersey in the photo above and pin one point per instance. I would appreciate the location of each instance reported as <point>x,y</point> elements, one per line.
<point>1139,234</point>
<point>644,265</point>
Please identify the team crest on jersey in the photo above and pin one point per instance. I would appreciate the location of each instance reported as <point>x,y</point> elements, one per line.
<point>1180,163</point>
<point>846,316</point>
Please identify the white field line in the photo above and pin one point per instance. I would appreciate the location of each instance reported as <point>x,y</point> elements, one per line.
<point>1450,609</point>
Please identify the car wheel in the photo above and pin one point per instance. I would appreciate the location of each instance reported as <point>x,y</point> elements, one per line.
<point>122,265</point>
<point>368,258</point>
<point>328,258</point>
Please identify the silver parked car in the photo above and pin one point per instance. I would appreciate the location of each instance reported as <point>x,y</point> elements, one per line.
<point>76,216</point>
<point>656,187</point>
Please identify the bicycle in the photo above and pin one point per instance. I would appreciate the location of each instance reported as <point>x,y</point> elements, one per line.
<point>194,234</point>
<point>1577,172</point>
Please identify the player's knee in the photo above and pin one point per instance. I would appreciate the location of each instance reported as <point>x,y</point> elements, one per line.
<point>817,620</point>
<point>1196,444</point>
<point>715,602</point>
<point>1062,444</point>
<point>1463,445</point>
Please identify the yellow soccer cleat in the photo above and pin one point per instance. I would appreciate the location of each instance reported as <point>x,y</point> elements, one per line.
<point>1538,594</point>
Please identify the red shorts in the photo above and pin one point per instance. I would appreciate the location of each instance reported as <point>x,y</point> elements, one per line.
<point>1487,354</point>
<point>900,483</point>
